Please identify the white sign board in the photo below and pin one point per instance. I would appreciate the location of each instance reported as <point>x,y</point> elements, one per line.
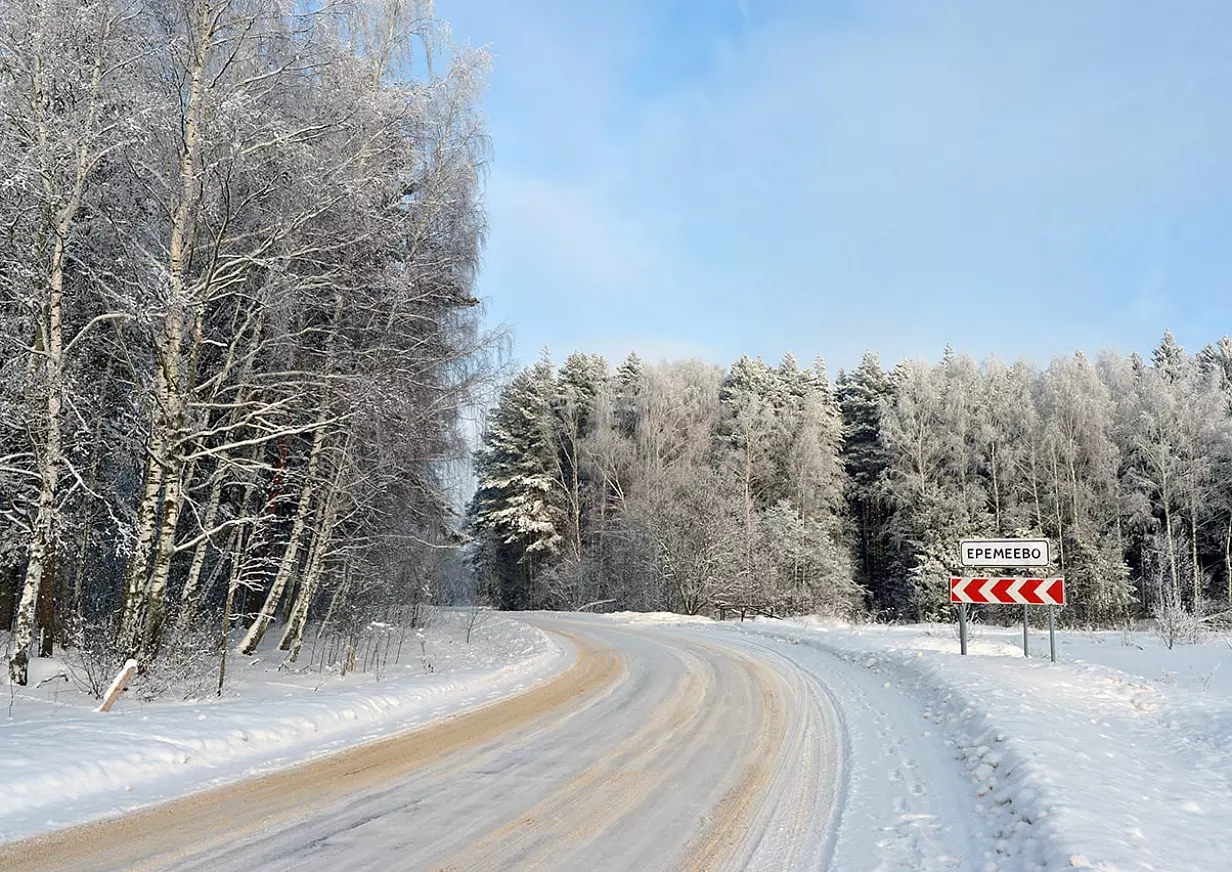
<point>1004,552</point>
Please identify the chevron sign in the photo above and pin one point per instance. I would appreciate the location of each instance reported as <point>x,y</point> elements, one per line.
<point>1025,591</point>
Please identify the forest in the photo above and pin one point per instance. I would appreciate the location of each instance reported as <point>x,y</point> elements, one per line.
<point>771,490</point>
<point>240,337</point>
<point>238,245</point>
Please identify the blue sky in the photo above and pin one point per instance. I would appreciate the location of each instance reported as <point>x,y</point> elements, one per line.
<point>716,177</point>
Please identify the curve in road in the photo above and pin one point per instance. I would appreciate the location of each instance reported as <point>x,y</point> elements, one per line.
<point>658,749</point>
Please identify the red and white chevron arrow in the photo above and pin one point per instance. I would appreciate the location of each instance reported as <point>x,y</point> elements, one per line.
<point>1026,591</point>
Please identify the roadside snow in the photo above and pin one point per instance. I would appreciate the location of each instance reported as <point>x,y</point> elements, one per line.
<point>657,618</point>
<point>63,764</point>
<point>1100,768</point>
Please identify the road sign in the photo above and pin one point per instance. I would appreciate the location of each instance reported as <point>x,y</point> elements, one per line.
<point>1003,552</point>
<point>1009,591</point>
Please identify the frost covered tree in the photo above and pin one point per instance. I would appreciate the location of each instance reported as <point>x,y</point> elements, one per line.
<point>65,93</point>
<point>925,481</point>
<point>863,396</point>
<point>658,478</point>
<point>821,496</point>
<point>235,309</point>
<point>519,502</point>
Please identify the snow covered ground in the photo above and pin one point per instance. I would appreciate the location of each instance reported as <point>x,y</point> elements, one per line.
<point>61,763</point>
<point>1118,757</point>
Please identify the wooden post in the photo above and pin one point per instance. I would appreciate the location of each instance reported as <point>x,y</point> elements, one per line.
<point>117,685</point>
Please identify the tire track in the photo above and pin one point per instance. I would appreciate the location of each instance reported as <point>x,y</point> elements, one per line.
<point>597,798</point>
<point>729,839</point>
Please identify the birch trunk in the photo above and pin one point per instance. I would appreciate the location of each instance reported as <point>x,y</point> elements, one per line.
<point>156,595</point>
<point>137,572</point>
<point>340,595</point>
<point>232,584</point>
<point>1056,490</point>
<point>164,470</point>
<point>41,554</point>
<point>1227,557</point>
<point>293,636</point>
<point>45,613</point>
<point>996,491</point>
<point>291,555</point>
<point>1193,544</point>
<point>1166,498</point>
<point>200,552</point>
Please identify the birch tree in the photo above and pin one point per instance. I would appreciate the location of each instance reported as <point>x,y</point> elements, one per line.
<point>63,118</point>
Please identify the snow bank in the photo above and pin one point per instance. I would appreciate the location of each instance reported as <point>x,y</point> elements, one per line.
<point>1099,769</point>
<point>63,766</point>
<point>657,618</point>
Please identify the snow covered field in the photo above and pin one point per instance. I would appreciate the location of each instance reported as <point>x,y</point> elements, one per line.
<point>1118,757</point>
<point>62,763</point>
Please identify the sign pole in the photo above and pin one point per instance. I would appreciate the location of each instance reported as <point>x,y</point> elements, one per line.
<point>1010,591</point>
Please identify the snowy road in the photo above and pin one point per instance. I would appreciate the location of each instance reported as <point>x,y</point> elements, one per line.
<point>661,748</point>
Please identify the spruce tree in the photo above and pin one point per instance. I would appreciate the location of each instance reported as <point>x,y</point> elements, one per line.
<point>518,500</point>
<point>862,396</point>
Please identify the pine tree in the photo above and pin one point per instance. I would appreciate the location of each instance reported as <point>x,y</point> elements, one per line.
<point>518,500</point>
<point>862,396</point>
<point>627,394</point>
<point>575,406</point>
<point>1169,358</point>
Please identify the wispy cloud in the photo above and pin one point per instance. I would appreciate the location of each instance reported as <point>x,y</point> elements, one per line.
<point>833,177</point>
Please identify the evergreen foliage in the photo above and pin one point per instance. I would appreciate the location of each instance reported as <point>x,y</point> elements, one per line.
<point>761,489</point>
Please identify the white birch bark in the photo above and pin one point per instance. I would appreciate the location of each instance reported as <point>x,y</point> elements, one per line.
<point>41,555</point>
<point>293,636</point>
<point>164,469</point>
<point>291,555</point>
<point>193,580</point>
<point>137,571</point>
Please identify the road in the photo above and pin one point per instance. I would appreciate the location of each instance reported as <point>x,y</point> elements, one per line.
<point>660,748</point>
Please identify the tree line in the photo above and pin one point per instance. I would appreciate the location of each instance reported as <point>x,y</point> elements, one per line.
<point>769,490</point>
<point>238,242</point>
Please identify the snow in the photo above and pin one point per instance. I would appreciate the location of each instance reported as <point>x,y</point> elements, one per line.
<point>66,764</point>
<point>657,618</point>
<point>1117,757</point>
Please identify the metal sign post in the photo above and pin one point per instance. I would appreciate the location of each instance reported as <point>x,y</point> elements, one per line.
<point>1010,591</point>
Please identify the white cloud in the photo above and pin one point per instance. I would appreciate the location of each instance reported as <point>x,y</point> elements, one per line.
<point>835,181</point>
